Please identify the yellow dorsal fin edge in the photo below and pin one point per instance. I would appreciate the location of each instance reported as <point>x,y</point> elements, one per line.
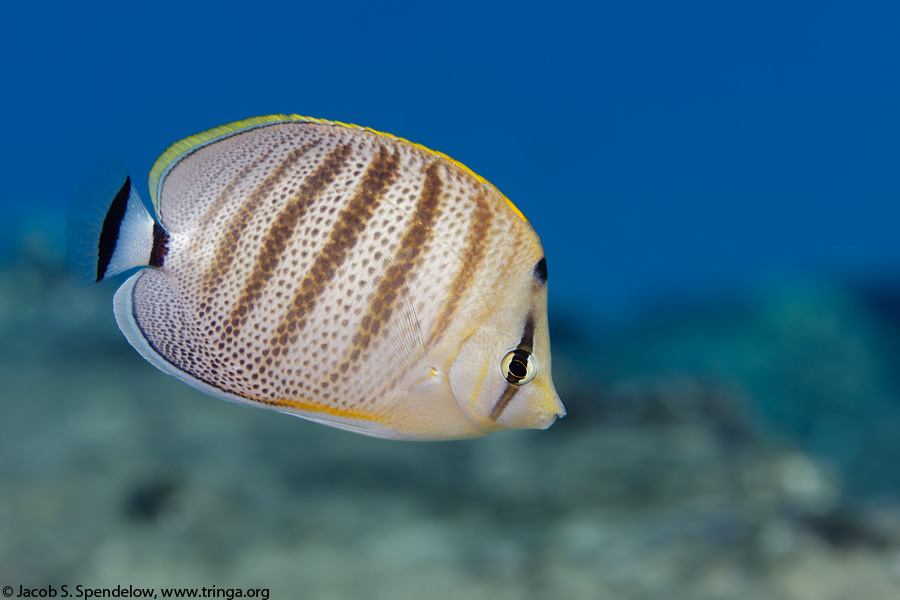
<point>179,149</point>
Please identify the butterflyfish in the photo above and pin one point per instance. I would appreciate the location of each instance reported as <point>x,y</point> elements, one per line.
<point>331,272</point>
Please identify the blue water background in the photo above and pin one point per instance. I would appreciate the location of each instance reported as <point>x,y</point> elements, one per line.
<point>660,149</point>
<point>716,186</point>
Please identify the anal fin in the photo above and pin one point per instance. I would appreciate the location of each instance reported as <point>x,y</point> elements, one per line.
<point>152,315</point>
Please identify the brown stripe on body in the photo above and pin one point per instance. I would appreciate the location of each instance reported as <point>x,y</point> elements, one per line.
<point>275,242</point>
<point>230,239</point>
<point>216,205</point>
<point>348,227</point>
<point>516,240</point>
<point>413,246</point>
<point>476,246</point>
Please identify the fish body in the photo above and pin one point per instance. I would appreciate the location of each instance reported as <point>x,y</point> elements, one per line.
<point>331,272</point>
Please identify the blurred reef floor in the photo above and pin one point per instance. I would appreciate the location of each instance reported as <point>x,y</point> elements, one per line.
<point>744,449</point>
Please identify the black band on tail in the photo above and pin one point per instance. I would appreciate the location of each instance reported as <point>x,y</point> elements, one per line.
<point>109,235</point>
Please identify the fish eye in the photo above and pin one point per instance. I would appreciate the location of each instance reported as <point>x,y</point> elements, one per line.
<point>518,367</point>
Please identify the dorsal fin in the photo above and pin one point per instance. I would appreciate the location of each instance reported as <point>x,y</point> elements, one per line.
<point>180,149</point>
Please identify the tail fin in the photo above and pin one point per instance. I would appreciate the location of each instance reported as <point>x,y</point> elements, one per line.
<point>109,229</point>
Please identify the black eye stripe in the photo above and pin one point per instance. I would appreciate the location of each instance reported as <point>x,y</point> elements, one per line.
<point>503,402</point>
<point>522,354</point>
<point>527,342</point>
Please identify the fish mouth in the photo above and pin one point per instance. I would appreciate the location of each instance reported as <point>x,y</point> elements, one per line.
<point>560,409</point>
<point>550,417</point>
<point>561,412</point>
